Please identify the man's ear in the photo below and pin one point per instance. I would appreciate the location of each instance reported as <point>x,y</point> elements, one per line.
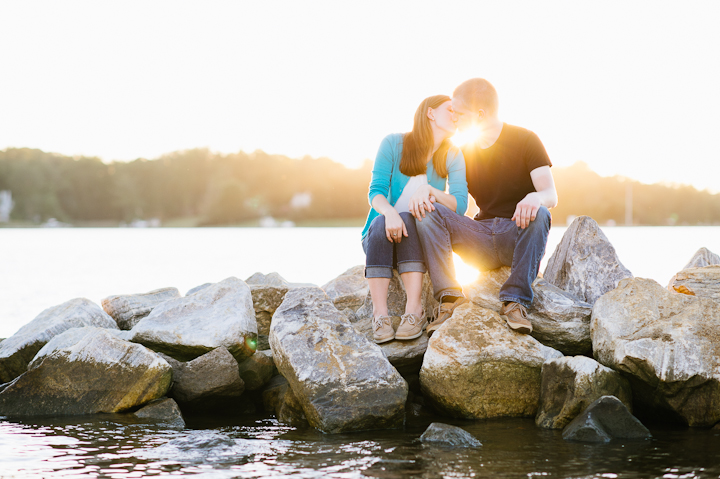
<point>482,114</point>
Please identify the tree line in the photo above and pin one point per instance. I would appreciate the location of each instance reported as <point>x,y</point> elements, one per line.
<point>224,189</point>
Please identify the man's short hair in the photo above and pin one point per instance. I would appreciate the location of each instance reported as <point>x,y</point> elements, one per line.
<point>478,93</point>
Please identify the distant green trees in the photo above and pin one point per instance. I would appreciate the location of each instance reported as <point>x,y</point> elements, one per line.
<point>218,189</point>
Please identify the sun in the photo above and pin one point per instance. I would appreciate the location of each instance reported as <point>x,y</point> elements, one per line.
<point>465,136</point>
<point>463,273</point>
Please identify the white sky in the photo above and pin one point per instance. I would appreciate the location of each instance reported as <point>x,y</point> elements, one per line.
<point>629,87</point>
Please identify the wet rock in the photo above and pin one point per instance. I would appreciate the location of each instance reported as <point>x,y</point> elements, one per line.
<point>666,344</point>
<point>703,282</point>
<point>349,289</point>
<point>198,288</point>
<point>440,434</point>
<point>571,384</point>
<point>397,298</point>
<point>605,419</point>
<point>279,399</point>
<point>128,309</point>
<point>476,367</point>
<point>257,370</point>
<point>165,411</point>
<point>207,380</point>
<point>342,380</point>
<point>560,320</point>
<point>99,373</point>
<point>185,328</point>
<point>19,349</point>
<point>585,263</point>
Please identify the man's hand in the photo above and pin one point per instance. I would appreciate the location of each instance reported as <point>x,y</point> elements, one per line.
<point>394,227</point>
<point>526,210</point>
<point>420,202</point>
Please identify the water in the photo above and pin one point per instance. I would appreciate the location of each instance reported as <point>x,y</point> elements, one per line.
<point>41,268</point>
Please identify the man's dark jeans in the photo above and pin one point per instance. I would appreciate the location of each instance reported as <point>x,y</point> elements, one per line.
<point>382,255</point>
<point>485,244</point>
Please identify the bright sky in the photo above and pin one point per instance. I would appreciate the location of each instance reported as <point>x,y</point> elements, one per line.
<point>631,88</point>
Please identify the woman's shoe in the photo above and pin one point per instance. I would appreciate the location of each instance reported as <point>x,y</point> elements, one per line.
<point>383,330</point>
<point>411,326</point>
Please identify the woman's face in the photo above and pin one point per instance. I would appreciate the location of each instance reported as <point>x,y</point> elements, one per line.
<point>443,118</point>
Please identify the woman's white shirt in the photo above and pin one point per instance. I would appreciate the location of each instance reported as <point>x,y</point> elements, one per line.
<point>401,205</point>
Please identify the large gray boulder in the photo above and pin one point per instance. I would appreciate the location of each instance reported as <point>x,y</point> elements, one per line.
<point>342,380</point>
<point>99,373</point>
<point>19,349</point>
<point>185,328</point>
<point>703,282</point>
<point>475,367</point>
<point>279,399</point>
<point>349,289</point>
<point>585,263</point>
<point>560,320</point>
<point>666,344</point>
<point>207,380</point>
<point>128,309</point>
<point>607,418</point>
<point>571,384</point>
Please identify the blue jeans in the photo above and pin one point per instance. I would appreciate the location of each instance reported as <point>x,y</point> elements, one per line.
<point>485,244</point>
<point>381,256</point>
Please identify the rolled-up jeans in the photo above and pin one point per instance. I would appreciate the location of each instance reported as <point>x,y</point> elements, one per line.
<point>484,244</point>
<point>382,256</point>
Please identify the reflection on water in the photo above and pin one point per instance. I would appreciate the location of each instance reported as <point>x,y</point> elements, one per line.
<point>110,446</point>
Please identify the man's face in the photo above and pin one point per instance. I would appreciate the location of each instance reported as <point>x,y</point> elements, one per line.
<point>464,117</point>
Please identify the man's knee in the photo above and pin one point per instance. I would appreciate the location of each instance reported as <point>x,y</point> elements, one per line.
<point>432,218</point>
<point>543,215</point>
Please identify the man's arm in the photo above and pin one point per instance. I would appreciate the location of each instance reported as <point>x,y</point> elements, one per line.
<point>545,195</point>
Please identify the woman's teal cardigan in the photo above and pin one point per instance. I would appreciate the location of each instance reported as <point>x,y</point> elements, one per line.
<point>389,182</point>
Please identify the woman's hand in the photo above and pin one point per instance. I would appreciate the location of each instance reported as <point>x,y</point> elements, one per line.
<point>394,227</point>
<point>421,202</point>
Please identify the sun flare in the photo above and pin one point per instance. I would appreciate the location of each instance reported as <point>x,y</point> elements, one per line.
<point>465,136</point>
<point>465,274</point>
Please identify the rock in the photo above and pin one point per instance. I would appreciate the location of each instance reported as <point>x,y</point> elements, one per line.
<point>342,380</point>
<point>560,320</point>
<point>405,356</point>
<point>571,384</point>
<point>585,263</point>
<point>163,410</point>
<point>207,380</point>
<point>279,399</point>
<point>667,345</point>
<point>349,289</point>
<point>65,340</point>
<point>185,328</point>
<point>257,370</point>
<point>446,435</point>
<point>19,349</point>
<point>128,309</point>
<point>702,257</point>
<point>605,419</point>
<point>397,299</point>
<point>198,288</point>
<point>703,282</point>
<point>99,373</point>
<point>268,292</point>
<point>476,367</point>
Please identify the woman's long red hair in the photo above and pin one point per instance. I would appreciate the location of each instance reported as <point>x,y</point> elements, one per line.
<point>418,144</point>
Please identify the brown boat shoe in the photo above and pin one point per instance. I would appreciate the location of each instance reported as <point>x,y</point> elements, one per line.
<point>411,326</point>
<point>516,317</point>
<point>443,312</point>
<point>383,330</point>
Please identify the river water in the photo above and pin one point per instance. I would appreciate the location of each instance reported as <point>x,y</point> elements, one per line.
<point>40,268</point>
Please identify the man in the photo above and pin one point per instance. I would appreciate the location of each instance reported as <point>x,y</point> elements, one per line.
<point>508,175</point>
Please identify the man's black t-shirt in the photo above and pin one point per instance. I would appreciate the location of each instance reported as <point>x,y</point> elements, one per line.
<point>498,177</point>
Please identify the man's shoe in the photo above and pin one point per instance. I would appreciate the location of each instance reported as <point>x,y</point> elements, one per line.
<point>442,313</point>
<point>516,317</point>
<point>383,330</point>
<point>411,326</point>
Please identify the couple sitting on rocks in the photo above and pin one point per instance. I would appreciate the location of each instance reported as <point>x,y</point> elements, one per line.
<point>415,225</point>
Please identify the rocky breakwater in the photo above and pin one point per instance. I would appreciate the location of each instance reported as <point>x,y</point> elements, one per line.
<point>476,367</point>
<point>128,309</point>
<point>666,344</point>
<point>87,371</point>
<point>342,381</point>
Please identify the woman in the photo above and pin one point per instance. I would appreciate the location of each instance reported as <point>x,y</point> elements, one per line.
<point>410,173</point>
